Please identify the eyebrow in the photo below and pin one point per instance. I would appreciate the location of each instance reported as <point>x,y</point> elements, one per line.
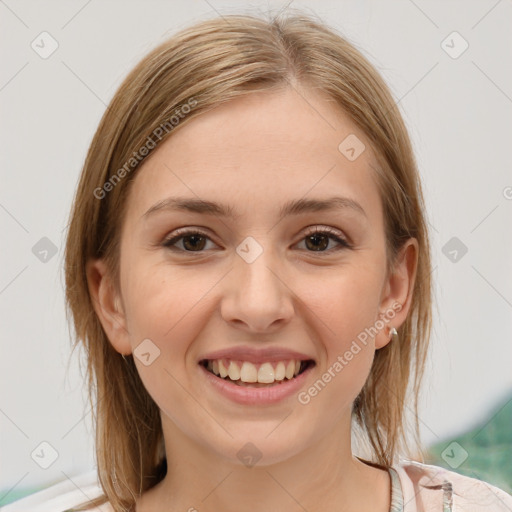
<point>293,207</point>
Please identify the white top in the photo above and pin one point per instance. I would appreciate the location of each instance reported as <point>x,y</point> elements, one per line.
<point>422,488</point>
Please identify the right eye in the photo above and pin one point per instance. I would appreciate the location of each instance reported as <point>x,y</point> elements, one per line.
<point>192,240</point>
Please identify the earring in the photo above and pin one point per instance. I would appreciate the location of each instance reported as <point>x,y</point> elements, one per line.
<point>394,335</point>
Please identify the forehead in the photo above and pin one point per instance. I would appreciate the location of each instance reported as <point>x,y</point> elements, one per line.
<point>266,148</point>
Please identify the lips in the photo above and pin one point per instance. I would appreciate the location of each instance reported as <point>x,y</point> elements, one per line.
<point>256,393</point>
<point>256,356</point>
<point>245,365</point>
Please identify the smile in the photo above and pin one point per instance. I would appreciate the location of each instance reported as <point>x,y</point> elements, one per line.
<point>245,373</point>
<point>250,383</point>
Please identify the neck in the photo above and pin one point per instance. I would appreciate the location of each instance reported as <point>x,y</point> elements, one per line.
<point>324,476</point>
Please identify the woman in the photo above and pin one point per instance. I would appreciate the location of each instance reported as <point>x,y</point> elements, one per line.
<point>248,268</point>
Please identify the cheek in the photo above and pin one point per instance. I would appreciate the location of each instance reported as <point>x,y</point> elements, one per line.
<point>345,305</point>
<point>344,313</point>
<point>171,308</point>
<point>171,311</point>
<point>165,306</point>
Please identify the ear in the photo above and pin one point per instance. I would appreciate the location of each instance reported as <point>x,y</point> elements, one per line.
<point>397,291</point>
<point>108,306</point>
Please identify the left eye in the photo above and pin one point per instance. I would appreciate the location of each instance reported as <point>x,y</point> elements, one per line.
<point>320,237</point>
<point>317,240</point>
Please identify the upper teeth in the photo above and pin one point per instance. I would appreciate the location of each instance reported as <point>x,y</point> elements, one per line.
<point>249,372</point>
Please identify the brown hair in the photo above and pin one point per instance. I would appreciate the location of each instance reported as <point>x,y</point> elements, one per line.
<point>203,66</point>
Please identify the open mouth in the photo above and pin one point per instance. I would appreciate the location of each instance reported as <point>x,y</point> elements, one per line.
<point>247,374</point>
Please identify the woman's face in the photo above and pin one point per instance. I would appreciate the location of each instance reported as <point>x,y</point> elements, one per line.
<point>255,285</point>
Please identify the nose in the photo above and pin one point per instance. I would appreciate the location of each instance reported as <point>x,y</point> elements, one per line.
<point>257,295</point>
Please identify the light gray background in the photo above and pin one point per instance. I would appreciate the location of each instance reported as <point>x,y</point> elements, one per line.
<point>459,115</point>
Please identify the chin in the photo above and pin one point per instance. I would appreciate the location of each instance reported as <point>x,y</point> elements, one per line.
<point>261,445</point>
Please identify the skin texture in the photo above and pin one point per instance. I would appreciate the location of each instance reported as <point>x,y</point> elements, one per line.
<point>256,153</point>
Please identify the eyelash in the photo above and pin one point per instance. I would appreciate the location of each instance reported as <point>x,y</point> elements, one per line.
<point>331,233</point>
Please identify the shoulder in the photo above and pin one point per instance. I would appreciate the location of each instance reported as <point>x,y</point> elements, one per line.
<point>62,496</point>
<point>429,488</point>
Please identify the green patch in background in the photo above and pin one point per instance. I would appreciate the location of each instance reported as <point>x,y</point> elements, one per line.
<point>484,452</point>
<point>7,496</point>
